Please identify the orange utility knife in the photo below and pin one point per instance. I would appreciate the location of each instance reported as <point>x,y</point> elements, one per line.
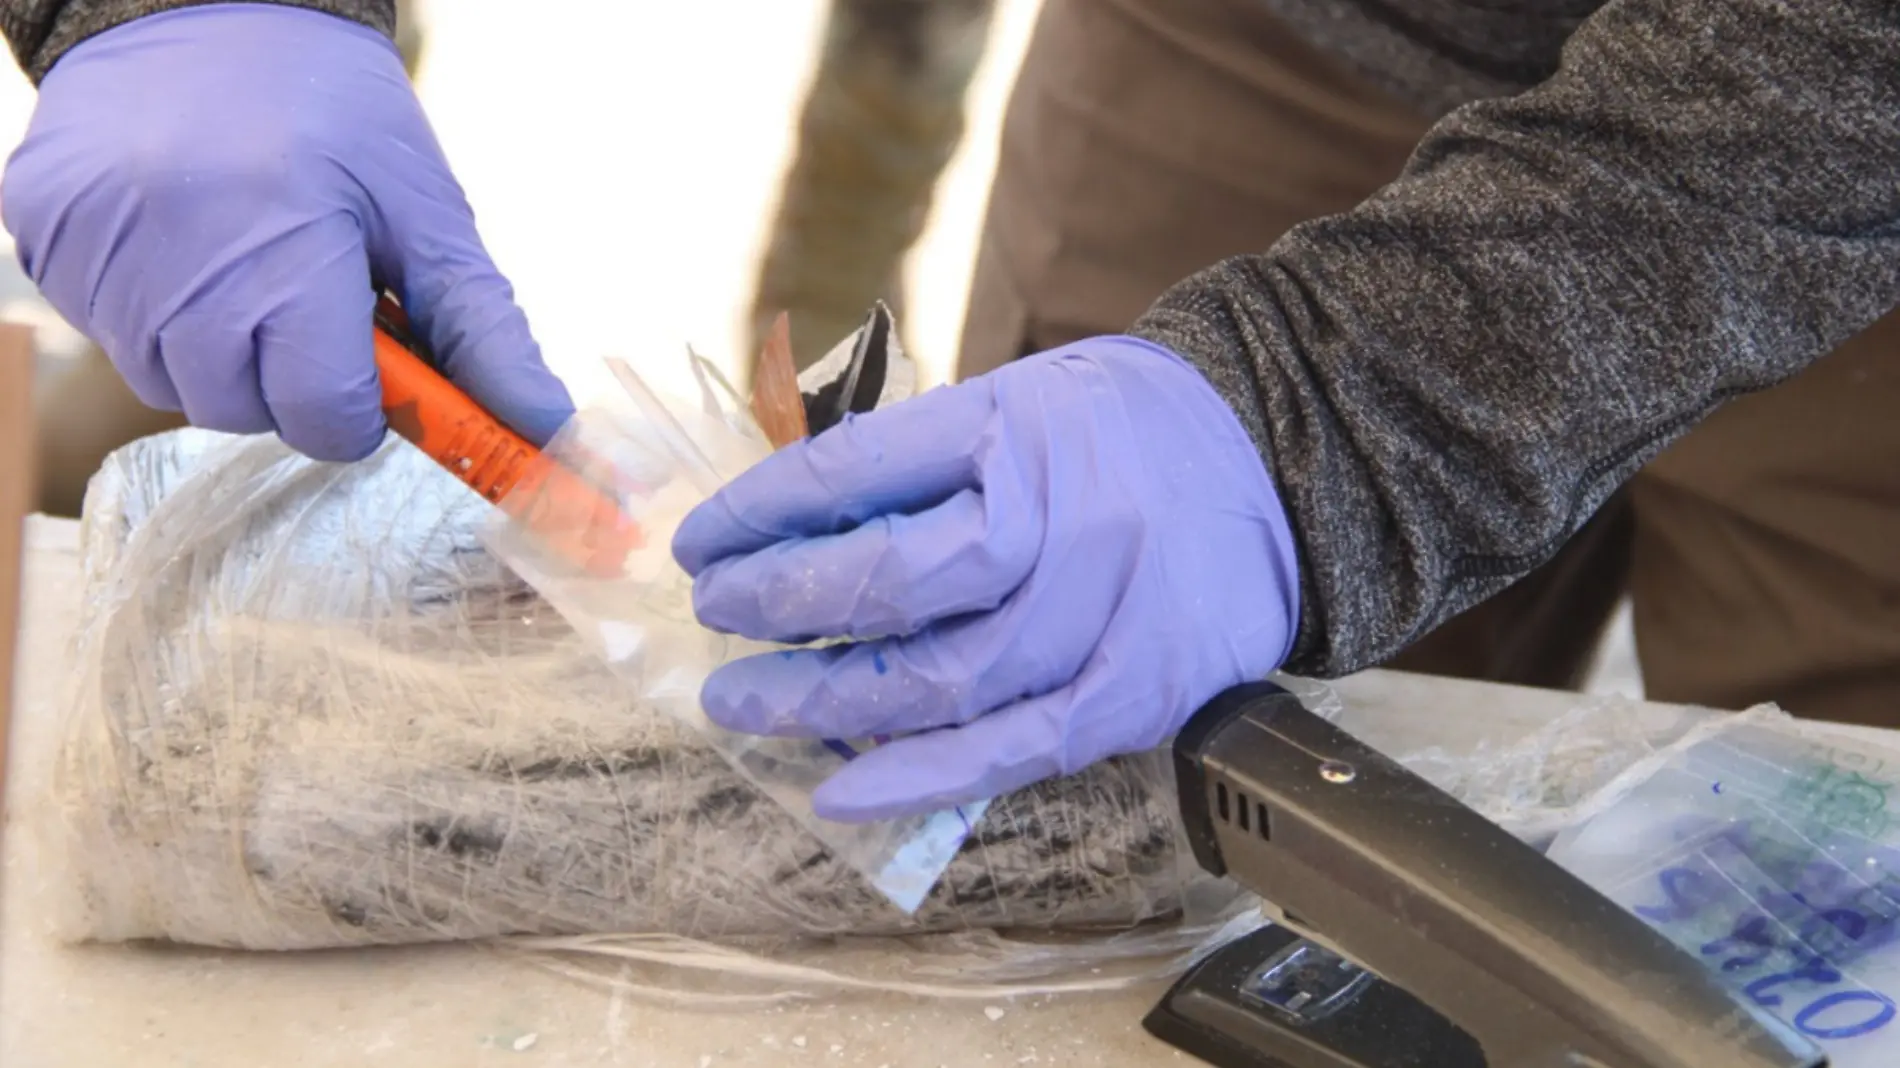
<point>574,516</point>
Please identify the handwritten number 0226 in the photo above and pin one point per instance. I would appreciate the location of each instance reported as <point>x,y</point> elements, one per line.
<point>1684,896</point>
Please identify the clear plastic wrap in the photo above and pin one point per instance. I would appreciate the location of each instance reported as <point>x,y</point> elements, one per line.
<point>1761,844</point>
<point>310,709</point>
<point>1766,848</point>
<point>656,461</point>
<point>1537,785</point>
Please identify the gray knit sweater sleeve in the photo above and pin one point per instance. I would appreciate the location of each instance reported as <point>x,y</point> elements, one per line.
<point>1447,380</point>
<point>40,31</point>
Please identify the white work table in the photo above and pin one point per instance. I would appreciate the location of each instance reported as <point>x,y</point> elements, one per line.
<point>465,1006</point>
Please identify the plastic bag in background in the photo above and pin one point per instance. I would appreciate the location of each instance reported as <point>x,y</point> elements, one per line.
<point>1766,847</point>
<point>1542,783</point>
<point>658,461</point>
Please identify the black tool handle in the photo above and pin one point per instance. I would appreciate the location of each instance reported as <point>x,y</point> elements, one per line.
<point>1541,968</point>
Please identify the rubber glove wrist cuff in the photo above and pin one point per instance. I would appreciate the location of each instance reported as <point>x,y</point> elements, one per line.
<point>1223,439</point>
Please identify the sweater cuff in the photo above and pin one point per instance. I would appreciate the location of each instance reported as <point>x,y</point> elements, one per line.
<point>38,44</point>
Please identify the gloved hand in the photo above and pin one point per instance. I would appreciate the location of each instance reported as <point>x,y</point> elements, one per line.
<point>1058,562</point>
<point>206,194</point>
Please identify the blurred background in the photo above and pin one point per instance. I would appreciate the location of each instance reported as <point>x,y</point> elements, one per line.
<point>632,224</point>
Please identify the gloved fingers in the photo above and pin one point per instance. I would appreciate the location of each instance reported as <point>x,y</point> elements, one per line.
<point>893,575</point>
<point>225,393</point>
<point>904,458</point>
<point>995,755</point>
<point>947,675</point>
<point>465,310</point>
<point>482,342</point>
<point>315,362</point>
<point>843,691</point>
<point>47,192</point>
<point>145,375</point>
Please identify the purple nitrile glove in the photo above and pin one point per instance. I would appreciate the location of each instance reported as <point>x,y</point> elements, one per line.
<point>207,193</point>
<point>1060,561</point>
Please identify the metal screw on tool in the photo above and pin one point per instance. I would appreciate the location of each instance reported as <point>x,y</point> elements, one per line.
<point>1338,772</point>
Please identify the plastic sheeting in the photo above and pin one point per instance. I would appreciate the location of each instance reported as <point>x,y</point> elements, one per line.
<point>1765,848</point>
<point>312,711</point>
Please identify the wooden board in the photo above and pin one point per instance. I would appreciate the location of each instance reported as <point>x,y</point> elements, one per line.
<point>16,491</point>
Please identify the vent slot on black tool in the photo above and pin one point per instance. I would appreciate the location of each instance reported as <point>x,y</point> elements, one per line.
<point>1237,808</point>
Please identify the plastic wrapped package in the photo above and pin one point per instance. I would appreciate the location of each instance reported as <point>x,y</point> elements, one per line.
<point>310,709</point>
<point>1760,844</point>
<point>1538,785</point>
<point>313,711</point>
<point>1766,848</point>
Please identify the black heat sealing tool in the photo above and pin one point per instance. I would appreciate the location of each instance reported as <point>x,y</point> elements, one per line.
<point>1453,944</point>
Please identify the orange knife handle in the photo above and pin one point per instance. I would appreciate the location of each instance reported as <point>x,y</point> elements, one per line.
<point>574,518</point>
<point>443,422</point>
<point>572,515</point>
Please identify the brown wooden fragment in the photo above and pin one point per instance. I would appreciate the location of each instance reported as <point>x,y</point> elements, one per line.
<point>776,402</point>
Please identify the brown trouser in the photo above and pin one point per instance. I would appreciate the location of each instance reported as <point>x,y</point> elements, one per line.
<point>84,411</point>
<point>1149,138</point>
